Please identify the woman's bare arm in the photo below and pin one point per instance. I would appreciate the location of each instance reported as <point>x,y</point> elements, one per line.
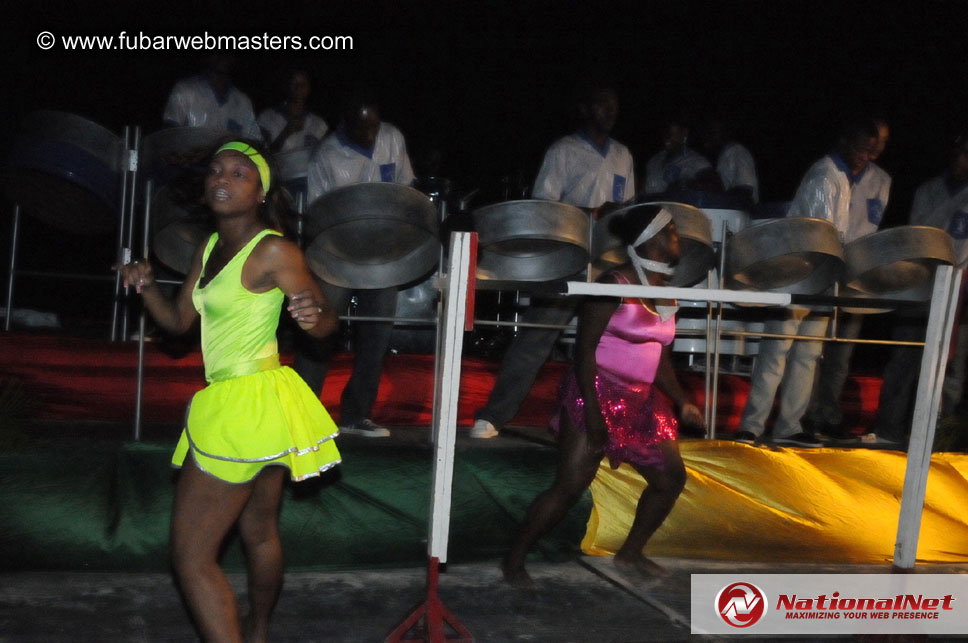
<point>283,265</point>
<point>175,316</point>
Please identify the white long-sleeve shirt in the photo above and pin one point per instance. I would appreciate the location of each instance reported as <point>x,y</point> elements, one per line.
<point>825,193</point>
<point>273,121</point>
<point>338,162</point>
<point>938,204</point>
<point>193,102</point>
<point>736,168</point>
<point>868,199</point>
<point>578,172</point>
<point>664,169</point>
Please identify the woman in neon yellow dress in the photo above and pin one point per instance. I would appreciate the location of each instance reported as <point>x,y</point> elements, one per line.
<point>255,419</point>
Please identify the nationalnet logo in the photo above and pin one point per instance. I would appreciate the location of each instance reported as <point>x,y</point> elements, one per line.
<point>741,604</point>
<point>757,604</point>
<point>899,606</point>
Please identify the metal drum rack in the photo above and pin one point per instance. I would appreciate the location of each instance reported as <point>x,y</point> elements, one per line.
<point>940,322</point>
<point>76,176</point>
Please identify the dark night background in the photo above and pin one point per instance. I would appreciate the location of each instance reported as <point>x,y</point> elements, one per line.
<point>492,84</point>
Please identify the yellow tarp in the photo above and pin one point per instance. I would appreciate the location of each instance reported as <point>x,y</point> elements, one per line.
<point>788,505</point>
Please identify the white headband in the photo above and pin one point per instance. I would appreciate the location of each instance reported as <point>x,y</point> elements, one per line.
<point>661,220</point>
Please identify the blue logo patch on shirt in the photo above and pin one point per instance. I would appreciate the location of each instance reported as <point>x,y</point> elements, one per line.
<point>618,188</point>
<point>388,172</point>
<point>958,227</point>
<point>875,211</point>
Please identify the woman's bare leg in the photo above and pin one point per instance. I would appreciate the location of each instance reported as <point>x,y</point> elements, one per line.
<point>664,486</point>
<point>577,465</point>
<point>259,529</point>
<point>204,510</point>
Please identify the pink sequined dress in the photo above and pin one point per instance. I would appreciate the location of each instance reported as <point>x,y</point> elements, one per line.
<point>638,417</point>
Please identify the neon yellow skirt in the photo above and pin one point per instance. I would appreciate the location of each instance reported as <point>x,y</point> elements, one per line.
<point>238,426</point>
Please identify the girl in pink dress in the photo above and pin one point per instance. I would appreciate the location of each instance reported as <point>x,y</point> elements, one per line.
<point>609,405</point>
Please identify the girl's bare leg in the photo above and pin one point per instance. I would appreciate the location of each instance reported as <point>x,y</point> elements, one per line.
<point>259,529</point>
<point>665,483</point>
<point>577,465</point>
<point>204,510</point>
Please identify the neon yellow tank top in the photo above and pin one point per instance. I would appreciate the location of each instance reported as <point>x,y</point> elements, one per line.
<point>238,326</point>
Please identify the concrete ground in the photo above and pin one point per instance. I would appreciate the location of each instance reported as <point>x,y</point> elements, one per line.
<point>572,603</point>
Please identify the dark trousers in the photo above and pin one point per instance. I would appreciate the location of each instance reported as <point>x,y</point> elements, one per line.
<point>371,341</point>
<point>525,355</point>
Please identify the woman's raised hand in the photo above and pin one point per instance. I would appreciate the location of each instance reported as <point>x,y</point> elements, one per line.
<point>138,273</point>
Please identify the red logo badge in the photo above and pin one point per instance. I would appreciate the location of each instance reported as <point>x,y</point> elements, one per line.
<point>741,604</point>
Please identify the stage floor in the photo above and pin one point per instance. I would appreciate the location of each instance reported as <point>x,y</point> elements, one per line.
<point>83,547</point>
<point>99,503</point>
<point>572,603</point>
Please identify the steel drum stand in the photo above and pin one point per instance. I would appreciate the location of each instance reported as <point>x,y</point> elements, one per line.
<point>126,229</point>
<point>429,619</point>
<point>128,172</point>
<point>13,266</point>
<point>142,319</point>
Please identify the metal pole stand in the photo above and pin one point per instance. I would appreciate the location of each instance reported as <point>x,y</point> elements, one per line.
<point>13,267</point>
<point>427,622</point>
<point>941,317</point>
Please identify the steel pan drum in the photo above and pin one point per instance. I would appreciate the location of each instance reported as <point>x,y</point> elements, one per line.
<point>178,227</point>
<point>695,239</point>
<point>173,151</point>
<point>174,160</point>
<point>897,263</point>
<point>897,260</point>
<point>531,240</point>
<point>607,251</point>
<point>697,254</point>
<point>797,255</point>
<point>66,171</point>
<point>372,235</point>
<point>292,169</point>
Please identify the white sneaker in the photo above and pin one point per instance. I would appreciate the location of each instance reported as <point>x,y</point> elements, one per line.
<point>483,429</point>
<point>367,428</point>
<point>873,438</point>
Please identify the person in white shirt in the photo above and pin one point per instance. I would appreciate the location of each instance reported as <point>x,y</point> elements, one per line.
<point>868,200</point>
<point>677,166</point>
<point>824,193</point>
<point>362,149</point>
<point>587,169</point>
<point>941,202</point>
<point>211,100</point>
<point>292,132</point>
<point>290,125</point>
<point>734,163</point>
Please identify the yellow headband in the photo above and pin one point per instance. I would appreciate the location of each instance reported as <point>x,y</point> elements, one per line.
<point>254,156</point>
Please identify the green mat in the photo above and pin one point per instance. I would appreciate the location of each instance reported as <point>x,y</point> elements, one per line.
<point>105,507</point>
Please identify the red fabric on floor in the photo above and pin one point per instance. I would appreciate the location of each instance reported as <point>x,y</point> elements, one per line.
<point>67,378</point>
